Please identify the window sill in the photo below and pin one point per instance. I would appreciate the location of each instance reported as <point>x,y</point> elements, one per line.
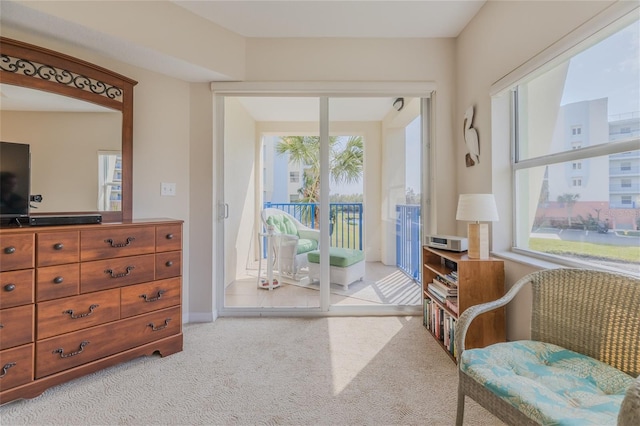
<point>525,258</point>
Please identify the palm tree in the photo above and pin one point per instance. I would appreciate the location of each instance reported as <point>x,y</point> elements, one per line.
<point>346,163</point>
<point>569,200</point>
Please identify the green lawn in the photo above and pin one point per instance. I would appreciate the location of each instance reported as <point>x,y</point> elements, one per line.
<point>342,230</point>
<point>629,254</point>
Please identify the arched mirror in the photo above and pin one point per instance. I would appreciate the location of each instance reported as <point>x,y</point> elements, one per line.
<point>78,121</point>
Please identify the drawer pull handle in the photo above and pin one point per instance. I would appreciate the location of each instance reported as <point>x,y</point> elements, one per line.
<point>63,355</point>
<point>121,274</point>
<point>58,280</point>
<point>9,250</point>
<point>86,314</point>
<point>6,367</point>
<point>117,245</point>
<point>160,327</point>
<point>1,326</point>
<point>169,263</point>
<point>153,299</point>
<point>58,246</point>
<point>9,287</point>
<point>169,236</point>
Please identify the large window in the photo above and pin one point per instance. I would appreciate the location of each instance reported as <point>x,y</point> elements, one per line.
<point>577,160</point>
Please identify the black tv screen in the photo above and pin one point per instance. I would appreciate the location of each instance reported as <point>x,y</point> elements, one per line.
<point>15,179</point>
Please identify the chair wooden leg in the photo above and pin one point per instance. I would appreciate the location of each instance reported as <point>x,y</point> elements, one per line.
<point>460,412</point>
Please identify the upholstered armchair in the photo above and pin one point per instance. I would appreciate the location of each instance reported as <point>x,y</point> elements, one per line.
<point>292,240</point>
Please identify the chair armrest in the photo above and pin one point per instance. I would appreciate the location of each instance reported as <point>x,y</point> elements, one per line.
<point>630,409</point>
<point>286,238</point>
<point>311,234</point>
<point>464,321</point>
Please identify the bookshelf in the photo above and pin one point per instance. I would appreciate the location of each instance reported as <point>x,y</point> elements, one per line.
<point>472,281</point>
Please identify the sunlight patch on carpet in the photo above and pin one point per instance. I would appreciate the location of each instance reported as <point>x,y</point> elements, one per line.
<point>352,351</point>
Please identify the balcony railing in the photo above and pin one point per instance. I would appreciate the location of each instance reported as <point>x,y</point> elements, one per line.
<point>345,227</point>
<point>408,245</point>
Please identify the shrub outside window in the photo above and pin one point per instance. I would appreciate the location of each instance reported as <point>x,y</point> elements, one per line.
<point>576,156</point>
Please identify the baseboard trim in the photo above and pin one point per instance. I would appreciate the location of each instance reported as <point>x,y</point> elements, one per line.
<point>193,317</point>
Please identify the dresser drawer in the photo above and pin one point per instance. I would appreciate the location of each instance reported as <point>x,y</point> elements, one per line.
<point>74,313</point>
<point>16,326</point>
<point>143,298</point>
<point>73,349</point>
<point>155,325</point>
<point>168,264</point>
<point>117,242</point>
<point>111,273</point>
<point>16,367</point>
<point>168,238</point>
<point>56,248</point>
<point>54,282</point>
<point>17,252</point>
<point>16,288</point>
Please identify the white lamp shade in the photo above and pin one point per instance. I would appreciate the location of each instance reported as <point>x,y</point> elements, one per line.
<point>477,208</point>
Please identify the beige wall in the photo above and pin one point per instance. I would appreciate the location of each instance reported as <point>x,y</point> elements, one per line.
<point>200,304</point>
<point>181,37</point>
<point>240,145</point>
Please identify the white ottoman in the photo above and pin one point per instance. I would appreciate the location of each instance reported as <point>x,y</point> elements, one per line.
<point>346,266</point>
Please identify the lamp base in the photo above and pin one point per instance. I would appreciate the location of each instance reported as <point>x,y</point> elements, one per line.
<point>478,240</point>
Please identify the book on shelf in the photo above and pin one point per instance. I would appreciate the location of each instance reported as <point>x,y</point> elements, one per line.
<point>445,289</point>
<point>452,304</point>
<point>435,292</point>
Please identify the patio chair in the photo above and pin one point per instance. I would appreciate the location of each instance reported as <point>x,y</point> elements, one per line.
<point>292,240</point>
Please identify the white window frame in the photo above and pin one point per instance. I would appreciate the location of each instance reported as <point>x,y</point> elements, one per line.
<point>504,100</point>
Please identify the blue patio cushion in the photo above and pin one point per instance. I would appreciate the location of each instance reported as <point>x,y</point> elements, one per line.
<point>282,224</point>
<point>305,245</point>
<point>338,256</point>
<point>548,383</point>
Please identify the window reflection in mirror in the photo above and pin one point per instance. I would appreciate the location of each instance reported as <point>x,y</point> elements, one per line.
<point>110,181</point>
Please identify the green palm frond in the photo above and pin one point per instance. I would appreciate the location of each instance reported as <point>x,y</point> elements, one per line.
<point>346,164</point>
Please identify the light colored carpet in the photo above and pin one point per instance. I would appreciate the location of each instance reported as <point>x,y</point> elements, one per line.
<point>269,371</point>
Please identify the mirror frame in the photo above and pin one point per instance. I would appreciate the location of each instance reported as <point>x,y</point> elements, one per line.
<point>34,67</point>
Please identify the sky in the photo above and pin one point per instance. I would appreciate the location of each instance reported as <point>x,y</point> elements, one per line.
<point>613,72</point>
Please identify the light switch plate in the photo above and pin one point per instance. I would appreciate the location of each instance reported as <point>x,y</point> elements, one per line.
<point>167,189</point>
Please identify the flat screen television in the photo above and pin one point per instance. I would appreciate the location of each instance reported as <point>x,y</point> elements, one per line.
<point>15,181</point>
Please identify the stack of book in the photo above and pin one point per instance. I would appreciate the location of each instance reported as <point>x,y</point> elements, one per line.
<point>452,276</point>
<point>446,293</point>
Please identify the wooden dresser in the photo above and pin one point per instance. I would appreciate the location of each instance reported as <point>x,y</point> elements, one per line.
<point>76,299</point>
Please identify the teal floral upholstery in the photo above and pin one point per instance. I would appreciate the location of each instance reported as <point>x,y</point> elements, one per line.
<point>549,384</point>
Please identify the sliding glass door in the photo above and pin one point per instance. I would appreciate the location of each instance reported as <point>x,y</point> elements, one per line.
<point>315,193</point>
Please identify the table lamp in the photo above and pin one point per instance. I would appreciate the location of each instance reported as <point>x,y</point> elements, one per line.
<point>477,208</point>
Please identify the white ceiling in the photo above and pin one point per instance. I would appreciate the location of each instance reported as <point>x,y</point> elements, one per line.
<point>371,19</point>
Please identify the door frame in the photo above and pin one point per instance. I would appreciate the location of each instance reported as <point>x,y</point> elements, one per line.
<point>324,91</point>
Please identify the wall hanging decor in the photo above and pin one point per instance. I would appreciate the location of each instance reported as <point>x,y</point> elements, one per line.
<point>471,139</point>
